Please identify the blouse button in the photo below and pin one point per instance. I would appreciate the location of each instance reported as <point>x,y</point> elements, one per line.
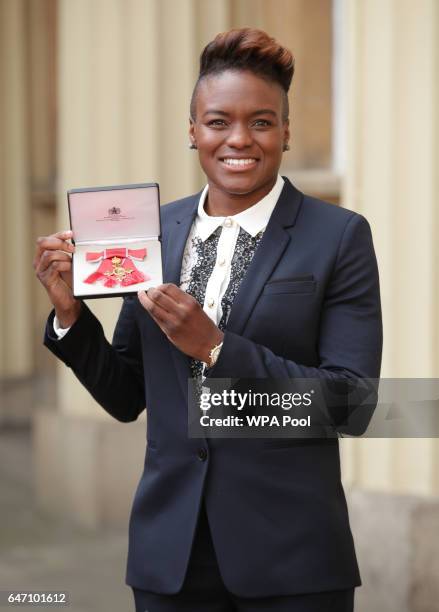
<point>228,222</point>
<point>202,456</point>
<point>211,303</point>
<point>221,261</point>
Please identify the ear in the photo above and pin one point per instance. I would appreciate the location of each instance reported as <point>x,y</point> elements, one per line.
<point>192,130</point>
<point>287,131</point>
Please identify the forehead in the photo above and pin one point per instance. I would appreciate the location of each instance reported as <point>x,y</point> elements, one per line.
<point>234,90</point>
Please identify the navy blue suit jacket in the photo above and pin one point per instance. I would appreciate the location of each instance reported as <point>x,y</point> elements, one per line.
<point>308,306</point>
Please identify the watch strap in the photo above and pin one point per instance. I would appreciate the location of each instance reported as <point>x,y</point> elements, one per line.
<point>214,354</point>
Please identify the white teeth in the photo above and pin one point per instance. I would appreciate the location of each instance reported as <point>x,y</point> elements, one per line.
<point>238,162</point>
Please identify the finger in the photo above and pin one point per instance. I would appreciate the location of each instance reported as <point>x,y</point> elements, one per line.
<point>48,257</point>
<point>64,234</point>
<point>56,239</point>
<point>51,275</point>
<point>50,243</point>
<point>62,266</point>
<point>173,291</point>
<point>159,314</point>
<point>67,277</point>
<point>156,295</point>
<point>55,242</point>
<point>53,271</point>
<point>186,301</point>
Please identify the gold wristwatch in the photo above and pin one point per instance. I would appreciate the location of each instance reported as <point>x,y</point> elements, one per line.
<point>213,355</point>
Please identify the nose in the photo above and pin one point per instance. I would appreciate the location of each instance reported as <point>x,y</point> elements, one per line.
<point>239,137</point>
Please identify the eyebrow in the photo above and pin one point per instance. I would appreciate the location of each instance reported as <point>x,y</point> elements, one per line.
<point>262,111</point>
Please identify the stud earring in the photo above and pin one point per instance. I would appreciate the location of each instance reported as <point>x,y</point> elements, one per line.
<point>286,147</point>
<point>192,145</point>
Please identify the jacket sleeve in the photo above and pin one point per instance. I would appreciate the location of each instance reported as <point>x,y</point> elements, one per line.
<point>112,373</point>
<point>350,331</point>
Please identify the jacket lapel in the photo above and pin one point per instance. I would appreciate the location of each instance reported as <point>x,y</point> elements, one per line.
<point>266,257</point>
<point>175,243</point>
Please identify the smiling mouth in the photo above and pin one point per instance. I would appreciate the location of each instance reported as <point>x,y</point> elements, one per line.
<point>239,163</point>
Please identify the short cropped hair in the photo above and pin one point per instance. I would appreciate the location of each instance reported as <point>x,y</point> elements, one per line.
<point>251,50</point>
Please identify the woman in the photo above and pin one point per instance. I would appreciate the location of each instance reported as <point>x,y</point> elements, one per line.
<point>263,282</point>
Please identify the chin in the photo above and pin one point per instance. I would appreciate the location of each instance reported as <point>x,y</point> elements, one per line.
<point>239,185</point>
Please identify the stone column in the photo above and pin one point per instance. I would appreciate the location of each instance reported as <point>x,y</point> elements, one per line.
<point>391,81</point>
<point>392,178</point>
<point>16,349</point>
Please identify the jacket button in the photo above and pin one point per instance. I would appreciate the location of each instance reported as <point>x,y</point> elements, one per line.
<point>202,454</point>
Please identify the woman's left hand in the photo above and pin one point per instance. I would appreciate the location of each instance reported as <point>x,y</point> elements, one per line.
<point>182,320</point>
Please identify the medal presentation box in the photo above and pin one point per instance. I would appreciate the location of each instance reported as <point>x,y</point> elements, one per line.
<point>117,237</point>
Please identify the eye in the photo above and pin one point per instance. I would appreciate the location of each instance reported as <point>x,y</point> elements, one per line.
<point>262,123</point>
<point>216,123</point>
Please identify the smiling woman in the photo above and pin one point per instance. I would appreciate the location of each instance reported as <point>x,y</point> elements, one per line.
<point>261,281</point>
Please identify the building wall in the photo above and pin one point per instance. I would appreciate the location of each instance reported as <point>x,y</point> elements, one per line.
<point>121,73</point>
<point>391,177</point>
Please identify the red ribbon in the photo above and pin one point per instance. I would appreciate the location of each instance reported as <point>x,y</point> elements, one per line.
<point>122,252</point>
<point>106,267</point>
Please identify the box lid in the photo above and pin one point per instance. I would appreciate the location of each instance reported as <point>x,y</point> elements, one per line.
<point>115,212</point>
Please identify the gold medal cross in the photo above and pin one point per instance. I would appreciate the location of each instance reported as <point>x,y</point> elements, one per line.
<point>118,271</point>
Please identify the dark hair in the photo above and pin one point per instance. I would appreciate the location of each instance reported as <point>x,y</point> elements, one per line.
<point>247,49</point>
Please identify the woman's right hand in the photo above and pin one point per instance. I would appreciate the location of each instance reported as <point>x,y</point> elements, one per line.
<point>53,267</point>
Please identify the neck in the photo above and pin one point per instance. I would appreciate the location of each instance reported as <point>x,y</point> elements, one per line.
<point>220,203</point>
